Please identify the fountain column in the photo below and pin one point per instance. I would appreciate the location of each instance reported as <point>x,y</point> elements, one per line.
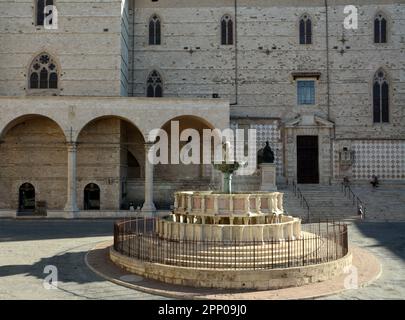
<point>148,208</point>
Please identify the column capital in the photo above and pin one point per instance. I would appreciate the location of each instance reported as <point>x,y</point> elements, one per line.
<point>72,146</point>
<point>149,144</point>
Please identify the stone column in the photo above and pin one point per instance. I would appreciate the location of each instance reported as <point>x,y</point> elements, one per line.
<point>71,203</point>
<point>148,208</point>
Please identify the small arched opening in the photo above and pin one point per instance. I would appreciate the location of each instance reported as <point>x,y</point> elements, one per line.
<point>26,202</point>
<point>92,197</point>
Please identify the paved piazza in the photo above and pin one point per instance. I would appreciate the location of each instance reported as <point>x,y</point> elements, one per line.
<point>26,247</point>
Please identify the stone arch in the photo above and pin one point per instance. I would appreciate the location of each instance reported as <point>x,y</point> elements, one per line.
<point>103,145</point>
<point>85,122</point>
<point>191,116</point>
<point>33,150</point>
<point>12,122</point>
<point>176,175</point>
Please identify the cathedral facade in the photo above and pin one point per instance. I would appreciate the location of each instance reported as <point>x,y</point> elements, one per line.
<point>82,84</point>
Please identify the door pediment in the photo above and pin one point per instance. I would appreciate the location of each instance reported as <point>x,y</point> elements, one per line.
<point>305,121</point>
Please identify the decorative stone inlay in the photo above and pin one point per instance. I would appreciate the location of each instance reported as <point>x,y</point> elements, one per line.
<point>289,228</point>
<point>228,205</point>
<point>207,215</point>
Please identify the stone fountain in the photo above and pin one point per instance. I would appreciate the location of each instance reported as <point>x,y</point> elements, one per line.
<point>230,241</point>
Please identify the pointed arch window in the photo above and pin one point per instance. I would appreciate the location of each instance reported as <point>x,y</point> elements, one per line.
<point>154,30</point>
<point>305,30</point>
<point>40,14</point>
<point>154,85</point>
<point>380,29</point>
<point>226,30</point>
<point>380,98</point>
<point>43,73</point>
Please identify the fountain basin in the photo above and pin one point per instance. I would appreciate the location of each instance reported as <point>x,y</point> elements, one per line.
<point>289,228</point>
<point>256,206</point>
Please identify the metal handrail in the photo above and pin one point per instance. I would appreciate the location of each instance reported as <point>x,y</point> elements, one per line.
<point>348,192</point>
<point>303,200</point>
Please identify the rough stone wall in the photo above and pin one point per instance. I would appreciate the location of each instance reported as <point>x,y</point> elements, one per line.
<point>87,46</point>
<point>352,73</point>
<point>98,161</point>
<point>265,84</point>
<point>268,52</point>
<point>34,151</point>
<point>124,48</point>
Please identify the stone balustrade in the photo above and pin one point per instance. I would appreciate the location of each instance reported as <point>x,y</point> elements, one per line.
<point>213,204</point>
<point>288,228</point>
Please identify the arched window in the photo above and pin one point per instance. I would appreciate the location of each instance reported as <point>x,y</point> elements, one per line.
<point>40,7</point>
<point>380,98</point>
<point>43,73</point>
<point>154,85</point>
<point>92,197</point>
<point>380,29</point>
<point>305,30</point>
<point>154,30</point>
<point>226,30</point>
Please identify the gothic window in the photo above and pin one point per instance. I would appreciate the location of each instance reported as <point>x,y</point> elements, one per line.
<point>154,30</point>
<point>154,85</point>
<point>305,30</point>
<point>43,73</point>
<point>380,29</point>
<point>380,98</point>
<point>226,30</point>
<point>40,7</point>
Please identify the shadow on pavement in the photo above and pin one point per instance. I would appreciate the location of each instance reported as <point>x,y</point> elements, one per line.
<point>70,267</point>
<point>390,235</point>
<point>24,230</point>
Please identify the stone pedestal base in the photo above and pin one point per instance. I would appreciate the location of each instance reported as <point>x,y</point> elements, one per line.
<point>268,177</point>
<point>148,210</point>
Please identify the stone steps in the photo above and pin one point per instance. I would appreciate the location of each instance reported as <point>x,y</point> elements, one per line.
<point>386,202</point>
<point>268,264</point>
<point>328,202</point>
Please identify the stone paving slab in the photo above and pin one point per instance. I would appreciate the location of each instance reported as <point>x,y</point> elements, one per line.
<point>27,246</point>
<point>367,269</point>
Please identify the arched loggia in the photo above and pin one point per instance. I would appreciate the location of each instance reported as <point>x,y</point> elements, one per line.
<point>33,148</point>
<point>177,174</point>
<point>111,155</point>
